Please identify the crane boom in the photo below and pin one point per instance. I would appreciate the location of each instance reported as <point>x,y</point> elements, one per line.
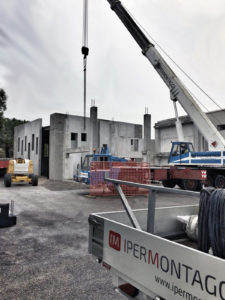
<point>178,92</point>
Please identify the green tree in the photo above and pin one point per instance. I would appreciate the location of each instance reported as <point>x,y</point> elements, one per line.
<point>7,135</point>
<point>3,99</point>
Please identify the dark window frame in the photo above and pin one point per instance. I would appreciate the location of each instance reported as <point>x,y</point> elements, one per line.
<point>28,154</point>
<point>134,144</point>
<point>21,147</point>
<point>221,127</point>
<point>36,145</point>
<point>18,144</point>
<point>73,136</point>
<point>32,142</point>
<point>83,137</point>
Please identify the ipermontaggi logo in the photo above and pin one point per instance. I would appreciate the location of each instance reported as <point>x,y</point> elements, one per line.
<point>114,240</point>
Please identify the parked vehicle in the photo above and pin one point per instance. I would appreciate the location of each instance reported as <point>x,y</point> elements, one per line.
<point>213,162</point>
<point>4,162</point>
<point>179,93</point>
<point>20,170</point>
<point>83,173</point>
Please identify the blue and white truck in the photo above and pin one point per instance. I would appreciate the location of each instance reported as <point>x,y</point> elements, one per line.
<point>183,154</point>
<point>83,173</point>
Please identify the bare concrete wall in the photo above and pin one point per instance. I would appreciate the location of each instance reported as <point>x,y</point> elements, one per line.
<point>69,142</point>
<point>123,139</point>
<point>56,144</point>
<point>27,139</point>
<point>67,145</point>
<point>73,155</point>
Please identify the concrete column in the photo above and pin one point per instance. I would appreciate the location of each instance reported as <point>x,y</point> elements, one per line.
<point>56,146</point>
<point>94,127</point>
<point>147,132</point>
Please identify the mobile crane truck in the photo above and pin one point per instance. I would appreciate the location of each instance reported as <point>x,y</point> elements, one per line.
<point>147,250</point>
<point>212,161</point>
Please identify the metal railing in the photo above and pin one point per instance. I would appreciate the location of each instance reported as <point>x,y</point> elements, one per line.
<point>151,200</point>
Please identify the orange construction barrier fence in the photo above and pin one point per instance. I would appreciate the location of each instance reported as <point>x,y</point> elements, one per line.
<point>138,172</point>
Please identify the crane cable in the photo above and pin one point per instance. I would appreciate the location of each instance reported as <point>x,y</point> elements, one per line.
<point>85,51</point>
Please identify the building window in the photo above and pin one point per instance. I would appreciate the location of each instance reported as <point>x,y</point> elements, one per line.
<point>25,144</point>
<point>18,145</point>
<point>83,137</point>
<point>176,150</point>
<point>32,145</point>
<point>73,136</point>
<point>22,147</point>
<point>221,127</point>
<point>73,140</point>
<point>36,145</point>
<point>28,154</point>
<point>134,144</point>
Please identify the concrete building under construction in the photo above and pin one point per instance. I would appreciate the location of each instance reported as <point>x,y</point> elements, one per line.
<point>57,149</point>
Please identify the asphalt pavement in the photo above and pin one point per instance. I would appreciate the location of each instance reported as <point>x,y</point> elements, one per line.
<point>45,256</point>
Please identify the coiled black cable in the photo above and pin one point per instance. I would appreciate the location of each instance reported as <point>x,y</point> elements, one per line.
<point>211,221</point>
<point>203,216</point>
<point>217,222</point>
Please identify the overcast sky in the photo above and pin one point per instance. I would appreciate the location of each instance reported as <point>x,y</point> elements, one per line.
<point>41,61</point>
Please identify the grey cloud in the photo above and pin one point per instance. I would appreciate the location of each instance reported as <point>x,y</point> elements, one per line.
<point>40,45</point>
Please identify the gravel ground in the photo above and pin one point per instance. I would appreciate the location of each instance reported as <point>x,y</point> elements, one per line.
<point>45,255</point>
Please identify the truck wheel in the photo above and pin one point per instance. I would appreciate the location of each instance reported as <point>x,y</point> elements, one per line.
<point>220,182</point>
<point>209,181</point>
<point>200,185</point>
<point>169,183</point>
<point>34,180</point>
<point>7,180</point>
<point>181,184</point>
<point>190,184</point>
<point>31,177</point>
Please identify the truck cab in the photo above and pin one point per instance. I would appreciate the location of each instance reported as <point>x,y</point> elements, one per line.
<point>83,174</point>
<point>179,153</point>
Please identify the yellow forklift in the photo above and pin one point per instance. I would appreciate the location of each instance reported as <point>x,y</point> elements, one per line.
<point>20,170</point>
